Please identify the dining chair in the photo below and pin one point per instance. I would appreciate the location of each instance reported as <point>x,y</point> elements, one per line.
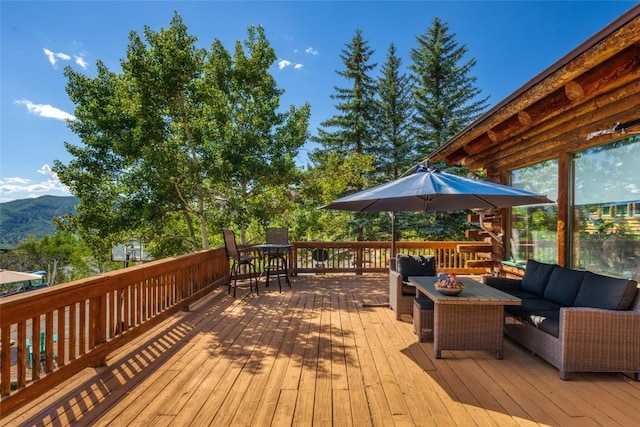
<point>239,259</point>
<point>278,235</point>
<point>276,259</point>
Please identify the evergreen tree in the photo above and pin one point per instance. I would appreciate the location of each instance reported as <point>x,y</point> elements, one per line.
<point>351,130</point>
<point>446,100</point>
<point>349,136</point>
<point>394,138</point>
<point>444,93</point>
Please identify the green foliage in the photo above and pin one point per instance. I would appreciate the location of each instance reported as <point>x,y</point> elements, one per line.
<point>339,175</point>
<point>394,144</point>
<point>50,253</point>
<point>350,130</point>
<point>444,93</point>
<point>410,116</point>
<point>184,141</point>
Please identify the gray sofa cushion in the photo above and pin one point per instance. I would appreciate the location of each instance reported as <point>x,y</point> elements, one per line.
<point>415,265</point>
<point>563,286</point>
<point>521,294</point>
<point>408,289</point>
<point>536,276</point>
<point>605,292</point>
<point>531,306</point>
<point>424,303</point>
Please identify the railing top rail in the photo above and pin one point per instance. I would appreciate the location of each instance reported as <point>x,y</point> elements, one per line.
<point>370,244</point>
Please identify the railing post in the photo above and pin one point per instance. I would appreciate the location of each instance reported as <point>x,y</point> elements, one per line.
<point>293,261</point>
<point>97,324</point>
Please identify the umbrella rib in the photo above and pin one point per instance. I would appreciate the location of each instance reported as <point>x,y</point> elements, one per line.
<point>364,208</point>
<point>486,201</point>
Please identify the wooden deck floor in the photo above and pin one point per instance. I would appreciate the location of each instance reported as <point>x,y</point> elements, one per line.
<point>314,355</point>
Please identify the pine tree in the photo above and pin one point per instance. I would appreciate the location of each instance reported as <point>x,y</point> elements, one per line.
<point>445,95</point>
<point>446,100</point>
<point>394,138</point>
<point>348,138</point>
<point>351,130</point>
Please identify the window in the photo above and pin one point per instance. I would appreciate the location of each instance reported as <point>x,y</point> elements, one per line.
<point>533,229</point>
<point>621,210</point>
<point>606,180</point>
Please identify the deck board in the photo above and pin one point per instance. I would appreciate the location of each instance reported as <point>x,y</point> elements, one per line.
<point>315,354</point>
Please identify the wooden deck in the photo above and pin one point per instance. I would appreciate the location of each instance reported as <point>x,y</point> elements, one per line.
<point>321,353</point>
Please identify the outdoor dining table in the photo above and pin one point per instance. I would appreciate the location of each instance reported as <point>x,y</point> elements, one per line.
<point>472,320</point>
<point>276,261</point>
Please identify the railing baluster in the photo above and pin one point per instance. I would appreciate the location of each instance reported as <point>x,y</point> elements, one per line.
<point>62,335</point>
<point>73,330</point>
<point>82,309</point>
<point>35,347</point>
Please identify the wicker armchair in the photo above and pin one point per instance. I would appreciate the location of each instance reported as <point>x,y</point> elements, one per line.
<point>401,293</point>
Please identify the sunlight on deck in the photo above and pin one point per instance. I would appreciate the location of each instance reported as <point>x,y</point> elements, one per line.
<point>325,352</point>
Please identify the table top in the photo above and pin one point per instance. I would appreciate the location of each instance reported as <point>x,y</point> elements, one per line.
<point>272,246</point>
<point>473,293</point>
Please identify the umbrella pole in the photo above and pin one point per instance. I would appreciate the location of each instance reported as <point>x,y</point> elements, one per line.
<point>393,234</point>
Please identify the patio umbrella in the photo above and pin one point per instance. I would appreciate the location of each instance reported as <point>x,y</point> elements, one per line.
<point>9,276</point>
<point>429,190</point>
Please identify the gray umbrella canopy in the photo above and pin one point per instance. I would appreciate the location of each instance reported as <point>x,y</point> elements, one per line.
<point>430,190</point>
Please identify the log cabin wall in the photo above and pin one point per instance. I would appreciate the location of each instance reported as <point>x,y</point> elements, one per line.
<point>577,103</point>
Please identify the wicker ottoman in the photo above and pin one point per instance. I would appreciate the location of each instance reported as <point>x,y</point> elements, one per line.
<point>423,318</point>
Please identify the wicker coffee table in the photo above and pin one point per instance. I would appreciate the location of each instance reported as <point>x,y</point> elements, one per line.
<point>473,320</point>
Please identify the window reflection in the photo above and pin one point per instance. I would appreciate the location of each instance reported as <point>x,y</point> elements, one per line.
<point>606,222</point>
<point>533,229</point>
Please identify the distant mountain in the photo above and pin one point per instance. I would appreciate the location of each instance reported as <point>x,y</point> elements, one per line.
<point>22,218</point>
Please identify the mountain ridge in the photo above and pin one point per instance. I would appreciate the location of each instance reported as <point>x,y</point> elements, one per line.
<point>24,217</point>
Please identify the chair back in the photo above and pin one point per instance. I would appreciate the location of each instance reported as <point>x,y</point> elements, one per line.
<point>230,244</point>
<point>278,235</point>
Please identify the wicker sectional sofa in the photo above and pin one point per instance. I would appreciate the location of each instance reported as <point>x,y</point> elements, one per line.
<point>576,320</point>
<point>401,293</point>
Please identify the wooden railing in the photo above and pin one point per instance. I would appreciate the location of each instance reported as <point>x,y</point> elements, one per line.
<point>373,257</point>
<point>73,326</point>
<point>51,334</point>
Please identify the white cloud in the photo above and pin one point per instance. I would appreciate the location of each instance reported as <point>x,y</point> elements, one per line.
<point>54,56</point>
<point>44,110</point>
<point>283,64</point>
<point>81,62</point>
<point>46,170</point>
<point>15,188</point>
<point>51,55</point>
<point>311,51</point>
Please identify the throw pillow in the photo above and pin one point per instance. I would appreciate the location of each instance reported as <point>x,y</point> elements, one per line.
<point>416,265</point>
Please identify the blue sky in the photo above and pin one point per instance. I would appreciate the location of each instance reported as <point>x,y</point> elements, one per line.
<point>511,42</point>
